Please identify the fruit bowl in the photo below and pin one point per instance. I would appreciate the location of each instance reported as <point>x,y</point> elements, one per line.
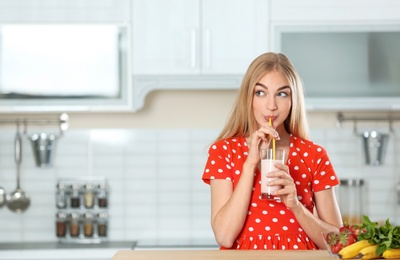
<point>333,250</point>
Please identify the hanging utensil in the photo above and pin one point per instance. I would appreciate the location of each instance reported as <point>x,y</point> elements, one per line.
<point>18,201</point>
<point>374,144</point>
<point>43,146</point>
<point>3,200</point>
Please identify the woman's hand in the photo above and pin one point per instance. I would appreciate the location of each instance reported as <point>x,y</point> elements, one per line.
<point>288,193</point>
<point>260,139</point>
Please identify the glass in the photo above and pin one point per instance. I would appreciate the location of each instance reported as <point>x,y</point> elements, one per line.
<point>102,195</point>
<point>102,219</point>
<point>268,158</point>
<point>88,197</point>
<point>351,194</point>
<point>88,225</point>
<point>74,227</point>
<point>61,199</point>
<point>75,199</point>
<point>61,224</point>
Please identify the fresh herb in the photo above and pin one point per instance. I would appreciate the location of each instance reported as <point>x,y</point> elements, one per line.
<point>385,236</point>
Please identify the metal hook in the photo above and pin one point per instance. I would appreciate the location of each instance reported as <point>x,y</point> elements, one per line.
<point>355,130</point>
<point>391,129</point>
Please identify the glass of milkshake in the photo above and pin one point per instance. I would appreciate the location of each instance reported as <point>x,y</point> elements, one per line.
<point>268,158</point>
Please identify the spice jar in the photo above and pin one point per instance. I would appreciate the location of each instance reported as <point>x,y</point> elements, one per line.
<point>61,198</point>
<point>351,200</point>
<point>88,197</point>
<point>74,227</point>
<point>75,199</point>
<point>102,195</point>
<point>102,219</point>
<point>61,224</point>
<point>88,224</point>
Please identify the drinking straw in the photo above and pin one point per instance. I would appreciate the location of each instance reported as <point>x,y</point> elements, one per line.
<point>273,141</point>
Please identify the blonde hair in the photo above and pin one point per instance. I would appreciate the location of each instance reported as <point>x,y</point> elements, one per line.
<point>241,122</point>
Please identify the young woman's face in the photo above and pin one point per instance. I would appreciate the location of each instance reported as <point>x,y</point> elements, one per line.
<point>272,99</point>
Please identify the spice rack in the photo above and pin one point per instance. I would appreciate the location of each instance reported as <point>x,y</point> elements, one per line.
<point>82,210</point>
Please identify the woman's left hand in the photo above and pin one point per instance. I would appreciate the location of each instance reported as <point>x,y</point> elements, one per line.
<point>287,193</point>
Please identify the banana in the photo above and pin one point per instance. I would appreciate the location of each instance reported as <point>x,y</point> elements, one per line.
<point>352,250</point>
<point>368,252</point>
<point>391,254</point>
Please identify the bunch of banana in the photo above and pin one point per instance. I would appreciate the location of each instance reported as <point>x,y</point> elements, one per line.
<point>353,250</point>
<point>364,250</point>
<point>368,252</point>
<point>391,254</point>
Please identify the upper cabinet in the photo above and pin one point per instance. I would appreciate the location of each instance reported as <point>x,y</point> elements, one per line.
<point>180,44</point>
<point>208,44</point>
<point>337,11</point>
<point>74,55</point>
<point>345,51</point>
<point>98,11</point>
<point>198,37</point>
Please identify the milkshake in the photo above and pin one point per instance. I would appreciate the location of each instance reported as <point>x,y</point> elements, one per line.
<point>268,160</point>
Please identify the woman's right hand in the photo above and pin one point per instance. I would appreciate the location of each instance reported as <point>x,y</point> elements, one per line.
<point>260,139</point>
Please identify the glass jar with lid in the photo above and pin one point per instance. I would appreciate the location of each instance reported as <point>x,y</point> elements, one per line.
<point>102,193</point>
<point>74,224</point>
<point>75,195</point>
<point>88,224</point>
<point>88,195</point>
<point>61,224</point>
<point>61,198</point>
<point>351,200</point>
<point>102,220</point>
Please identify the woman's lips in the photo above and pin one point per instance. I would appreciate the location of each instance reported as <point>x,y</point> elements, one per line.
<point>273,118</point>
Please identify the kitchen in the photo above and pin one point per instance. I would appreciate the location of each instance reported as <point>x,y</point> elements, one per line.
<point>153,152</point>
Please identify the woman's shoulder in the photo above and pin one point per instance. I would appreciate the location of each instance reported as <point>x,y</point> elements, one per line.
<point>229,142</point>
<point>300,142</point>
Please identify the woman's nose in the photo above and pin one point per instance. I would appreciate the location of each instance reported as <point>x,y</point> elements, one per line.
<point>271,103</point>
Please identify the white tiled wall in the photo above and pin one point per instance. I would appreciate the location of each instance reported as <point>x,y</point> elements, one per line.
<point>155,178</point>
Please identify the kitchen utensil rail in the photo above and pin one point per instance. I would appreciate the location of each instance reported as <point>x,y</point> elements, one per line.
<point>62,121</point>
<point>390,119</point>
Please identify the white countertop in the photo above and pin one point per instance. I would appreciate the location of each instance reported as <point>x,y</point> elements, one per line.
<point>61,251</point>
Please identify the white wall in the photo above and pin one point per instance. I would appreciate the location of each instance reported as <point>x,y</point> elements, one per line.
<point>154,160</point>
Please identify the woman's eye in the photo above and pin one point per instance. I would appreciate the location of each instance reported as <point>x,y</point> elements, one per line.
<point>260,93</point>
<point>283,94</point>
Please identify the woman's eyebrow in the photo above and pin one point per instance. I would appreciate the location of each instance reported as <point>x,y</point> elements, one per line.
<point>263,86</point>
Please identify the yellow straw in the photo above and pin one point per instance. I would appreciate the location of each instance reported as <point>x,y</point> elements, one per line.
<point>273,141</point>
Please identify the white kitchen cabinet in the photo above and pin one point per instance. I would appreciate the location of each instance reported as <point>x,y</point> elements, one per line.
<point>202,37</point>
<point>197,44</point>
<point>345,51</point>
<point>338,11</point>
<point>27,11</point>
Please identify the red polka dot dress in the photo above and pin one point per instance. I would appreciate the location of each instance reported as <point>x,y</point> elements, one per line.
<point>270,224</point>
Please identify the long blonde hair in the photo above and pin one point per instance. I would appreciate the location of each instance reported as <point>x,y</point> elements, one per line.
<point>242,123</point>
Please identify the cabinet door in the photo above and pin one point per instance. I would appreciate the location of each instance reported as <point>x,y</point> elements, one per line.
<point>165,37</point>
<point>26,11</point>
<point>234,32</point>
<point>337,11</point>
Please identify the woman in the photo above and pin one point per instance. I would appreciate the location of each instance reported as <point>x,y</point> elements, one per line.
<point>271,89</point>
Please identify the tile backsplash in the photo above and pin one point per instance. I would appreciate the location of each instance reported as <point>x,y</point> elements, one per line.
<point>156,191</point>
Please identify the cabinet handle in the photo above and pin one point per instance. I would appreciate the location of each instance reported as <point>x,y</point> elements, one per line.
<point>207,48</point>
<point>193,48</point>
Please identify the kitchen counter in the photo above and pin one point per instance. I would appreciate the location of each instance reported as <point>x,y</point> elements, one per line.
<point>65,251</point>
<point>221,254</point>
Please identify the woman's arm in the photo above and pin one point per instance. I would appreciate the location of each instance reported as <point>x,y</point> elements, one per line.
<point>328,216</point>
<point>229,208</point>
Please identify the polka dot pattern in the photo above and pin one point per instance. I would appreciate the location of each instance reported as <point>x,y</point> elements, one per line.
<point>269,224</point>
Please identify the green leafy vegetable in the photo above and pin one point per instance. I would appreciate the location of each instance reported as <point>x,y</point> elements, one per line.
<point>385,236</point>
